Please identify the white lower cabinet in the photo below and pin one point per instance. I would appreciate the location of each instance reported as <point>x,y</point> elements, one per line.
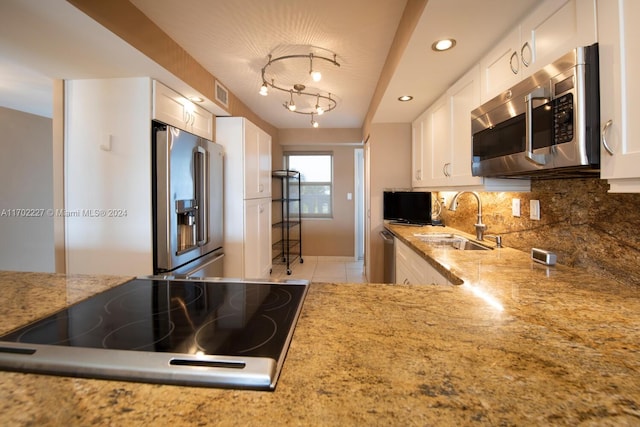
<point>257,235</point>
<point>618,33</point>
<point>412,269</point>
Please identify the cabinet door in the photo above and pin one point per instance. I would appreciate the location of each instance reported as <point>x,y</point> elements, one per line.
<point>437,153</point>
<point>264,150</point>
<point>167,106</point>
<point>257,238</point>
<point>464,96</point>
<point>257,162</point>
<point>410,267</point>
<point>174,109</point>
<point>501,67</point>
<point>619,89</point>
<point>433,276</point>
<point>548,32</point>
<point>251,161</point>
<point>201,123</point>
<point>417,157</point>
<point>553,29</point>
<point>265,237</point>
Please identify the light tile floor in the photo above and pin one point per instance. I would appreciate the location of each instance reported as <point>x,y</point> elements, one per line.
<point>323,269</point>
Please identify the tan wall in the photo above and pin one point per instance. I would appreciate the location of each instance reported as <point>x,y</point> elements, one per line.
<point>390,166</point>
<point>336,236</point>
<point>586,226</point>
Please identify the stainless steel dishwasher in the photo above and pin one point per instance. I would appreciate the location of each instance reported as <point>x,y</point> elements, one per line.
<point>389,256</point>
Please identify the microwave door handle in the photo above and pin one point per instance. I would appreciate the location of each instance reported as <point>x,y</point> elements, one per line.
<point>200,157</point>
<point>538,159</point>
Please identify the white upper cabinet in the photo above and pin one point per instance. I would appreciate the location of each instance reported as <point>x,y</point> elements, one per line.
<point>549,31</point>
<point>437,143</point>
<point>618,33</point>
<point>444,142</point>
<point>174,109</point>
<point>556,27</point>
<point>417,168</point>
<point>257,162</point>
<point>501,66</point>
<point>464,96</point>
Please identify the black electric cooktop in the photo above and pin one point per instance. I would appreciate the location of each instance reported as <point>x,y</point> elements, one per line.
<point>216,333</point>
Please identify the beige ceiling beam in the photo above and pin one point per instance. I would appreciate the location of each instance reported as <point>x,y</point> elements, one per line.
<point>127,22</point>
<point>408,22</point>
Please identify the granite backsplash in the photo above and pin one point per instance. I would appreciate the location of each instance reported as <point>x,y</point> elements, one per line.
<point>583,224</point>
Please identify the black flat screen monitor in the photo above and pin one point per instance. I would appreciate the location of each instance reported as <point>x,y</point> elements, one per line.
<point>411,207</point>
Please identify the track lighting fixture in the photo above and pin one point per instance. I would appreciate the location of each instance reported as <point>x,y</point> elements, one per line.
<point>291,105</point>
<point>319,104</point>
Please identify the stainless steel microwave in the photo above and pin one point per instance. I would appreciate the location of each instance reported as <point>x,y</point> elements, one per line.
<point>545,126</point>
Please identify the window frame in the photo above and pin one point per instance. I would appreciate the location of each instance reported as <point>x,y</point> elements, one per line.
<point>330,183</point>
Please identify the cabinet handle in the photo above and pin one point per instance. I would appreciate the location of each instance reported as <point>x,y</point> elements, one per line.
<point>419,174</point>
<point>514,70</point>
<point>604,137</point>
<point>524,62</point>
<point>445,169</point>
<point>261,188</point>
<point>188,118</point>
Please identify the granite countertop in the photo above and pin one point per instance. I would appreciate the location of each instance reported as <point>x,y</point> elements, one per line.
<point>511,343</point>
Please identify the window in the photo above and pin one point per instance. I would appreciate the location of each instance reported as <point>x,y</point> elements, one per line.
<point>316,185</point>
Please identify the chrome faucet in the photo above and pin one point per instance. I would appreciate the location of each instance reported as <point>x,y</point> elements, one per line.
<point>480,227</point>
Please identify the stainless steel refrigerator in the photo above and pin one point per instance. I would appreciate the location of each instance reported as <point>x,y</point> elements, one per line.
<point>188,204</point>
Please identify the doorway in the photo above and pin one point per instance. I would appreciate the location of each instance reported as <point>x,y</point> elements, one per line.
<point>359,203</point>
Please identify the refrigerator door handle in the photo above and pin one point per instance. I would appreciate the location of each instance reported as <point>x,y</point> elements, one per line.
<point>202,192</point>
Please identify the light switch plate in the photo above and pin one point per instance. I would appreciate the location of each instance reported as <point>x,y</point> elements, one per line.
<point>534,209</point>
<point>515,207</point>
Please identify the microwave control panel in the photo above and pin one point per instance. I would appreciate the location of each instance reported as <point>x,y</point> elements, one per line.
<point>563,119</point>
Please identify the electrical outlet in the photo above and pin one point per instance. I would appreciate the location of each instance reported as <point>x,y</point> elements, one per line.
<point>534,209</point>
<point>515,207</point>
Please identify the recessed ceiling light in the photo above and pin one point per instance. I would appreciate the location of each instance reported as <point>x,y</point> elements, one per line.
<point>444,44</point>
<point>405,98</point>
<point>196,99</point>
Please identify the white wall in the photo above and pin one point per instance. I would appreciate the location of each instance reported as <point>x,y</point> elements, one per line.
<point>26,174</point>
<point>117,180</point>
<point>389,165</point>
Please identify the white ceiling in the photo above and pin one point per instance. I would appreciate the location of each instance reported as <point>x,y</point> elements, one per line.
<point>232,39</point>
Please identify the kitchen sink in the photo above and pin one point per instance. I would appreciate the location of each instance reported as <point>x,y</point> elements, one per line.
<point>450,240</point>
